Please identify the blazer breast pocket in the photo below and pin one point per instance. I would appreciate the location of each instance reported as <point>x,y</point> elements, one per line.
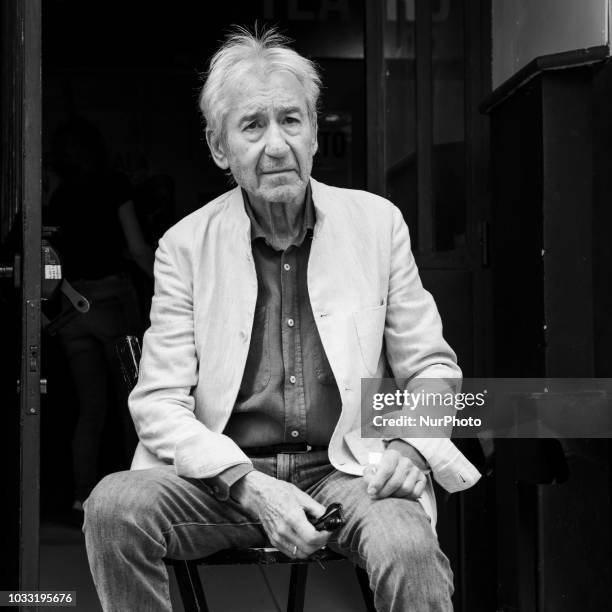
<point>370,326</point>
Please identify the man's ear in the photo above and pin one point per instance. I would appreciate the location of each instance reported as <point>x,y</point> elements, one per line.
<point>314,145</point>
<point>217,149</point>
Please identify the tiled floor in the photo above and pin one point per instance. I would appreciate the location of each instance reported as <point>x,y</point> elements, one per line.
<point>63,566</point>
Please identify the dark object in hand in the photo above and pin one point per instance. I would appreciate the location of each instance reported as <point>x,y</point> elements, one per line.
<point>330,521</point>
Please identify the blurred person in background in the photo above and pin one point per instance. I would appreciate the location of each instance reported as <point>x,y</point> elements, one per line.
<point>94,211</point>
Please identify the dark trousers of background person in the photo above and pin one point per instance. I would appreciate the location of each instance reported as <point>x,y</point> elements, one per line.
<point>88,342</point>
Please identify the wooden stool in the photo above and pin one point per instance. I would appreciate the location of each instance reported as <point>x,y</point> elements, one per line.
<point>192,592</point>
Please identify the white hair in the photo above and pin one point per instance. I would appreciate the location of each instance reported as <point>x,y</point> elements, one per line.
<point>243,50</point>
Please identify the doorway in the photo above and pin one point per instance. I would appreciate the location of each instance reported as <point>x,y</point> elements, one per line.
<point>399,117</point>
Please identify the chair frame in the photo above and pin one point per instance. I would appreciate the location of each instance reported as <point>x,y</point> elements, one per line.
<point>192,591</point>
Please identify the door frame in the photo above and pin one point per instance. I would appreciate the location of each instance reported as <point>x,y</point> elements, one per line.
<point>477,53</point>
<point>21,225</point>
<point>461,527</point>
<point>30,297</point>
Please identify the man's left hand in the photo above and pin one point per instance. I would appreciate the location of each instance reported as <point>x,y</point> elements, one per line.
<point>394,476</point>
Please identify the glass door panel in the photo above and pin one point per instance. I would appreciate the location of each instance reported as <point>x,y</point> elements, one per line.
<point>400,167</point>
<point>448,130</point>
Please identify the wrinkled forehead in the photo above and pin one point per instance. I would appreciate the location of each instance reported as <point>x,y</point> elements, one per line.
<point>263,91</point>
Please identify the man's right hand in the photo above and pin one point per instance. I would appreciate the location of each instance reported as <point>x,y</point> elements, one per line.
<point>282,507</point>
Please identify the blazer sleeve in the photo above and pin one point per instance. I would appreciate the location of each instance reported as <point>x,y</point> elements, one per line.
<point>416,350</point>
<point>161,404</point>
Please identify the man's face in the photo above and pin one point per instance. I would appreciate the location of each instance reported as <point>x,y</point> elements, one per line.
<point>269,140</point>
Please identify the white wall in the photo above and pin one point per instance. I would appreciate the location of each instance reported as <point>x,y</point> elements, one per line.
<point>526,29</point>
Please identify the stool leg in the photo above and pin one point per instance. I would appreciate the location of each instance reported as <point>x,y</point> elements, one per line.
<point>297,587</point>
<point>190,587</point>
<point>364,585</point>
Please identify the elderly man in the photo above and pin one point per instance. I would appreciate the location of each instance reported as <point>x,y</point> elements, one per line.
<point>271,303</point>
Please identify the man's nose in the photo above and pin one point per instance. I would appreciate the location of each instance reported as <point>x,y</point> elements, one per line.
<point>276,144</point>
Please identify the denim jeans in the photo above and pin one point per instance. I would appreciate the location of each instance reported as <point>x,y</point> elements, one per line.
<point>134,519</point>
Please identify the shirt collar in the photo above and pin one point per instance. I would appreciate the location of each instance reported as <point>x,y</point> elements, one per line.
<point>308,219</point>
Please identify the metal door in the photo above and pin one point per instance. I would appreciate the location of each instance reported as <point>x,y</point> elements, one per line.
<point>20,286</point>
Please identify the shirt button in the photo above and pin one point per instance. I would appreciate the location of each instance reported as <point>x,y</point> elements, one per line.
<point>290,322</point>
<point>243,335</point>
<point>295,433</point>
<point>292,380</point>
<point>287,267</point>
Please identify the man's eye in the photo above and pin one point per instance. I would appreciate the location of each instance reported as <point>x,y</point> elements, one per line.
<point>291,120</point>
<point>251,126</point>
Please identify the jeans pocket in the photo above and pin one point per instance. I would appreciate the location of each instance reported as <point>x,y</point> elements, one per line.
<point>257,370</point>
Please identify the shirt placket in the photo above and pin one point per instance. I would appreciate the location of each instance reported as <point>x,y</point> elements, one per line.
<point>295,417</point>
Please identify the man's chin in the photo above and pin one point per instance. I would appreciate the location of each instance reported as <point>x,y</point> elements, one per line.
<point>284,193</point>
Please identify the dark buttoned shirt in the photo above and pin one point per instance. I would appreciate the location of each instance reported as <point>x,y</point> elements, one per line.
<point>288,392</point>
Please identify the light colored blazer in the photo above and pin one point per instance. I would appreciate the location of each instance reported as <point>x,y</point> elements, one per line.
<point>364,287</point>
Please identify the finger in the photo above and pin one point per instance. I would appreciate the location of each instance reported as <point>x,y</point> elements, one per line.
<point>305,546</point>
<point>311,506</point>
<point>384,470</point>
<point>304,527</point>
<point>288,537</point>
<point>407,488</point>
<point>314,510</point>
<point>275,538</point>
<point>396,480</point>
<point>368,473</point>
<point>298,528</point>
<point>419,487</point>
<point>308,538</point>
<point>290,549</point>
